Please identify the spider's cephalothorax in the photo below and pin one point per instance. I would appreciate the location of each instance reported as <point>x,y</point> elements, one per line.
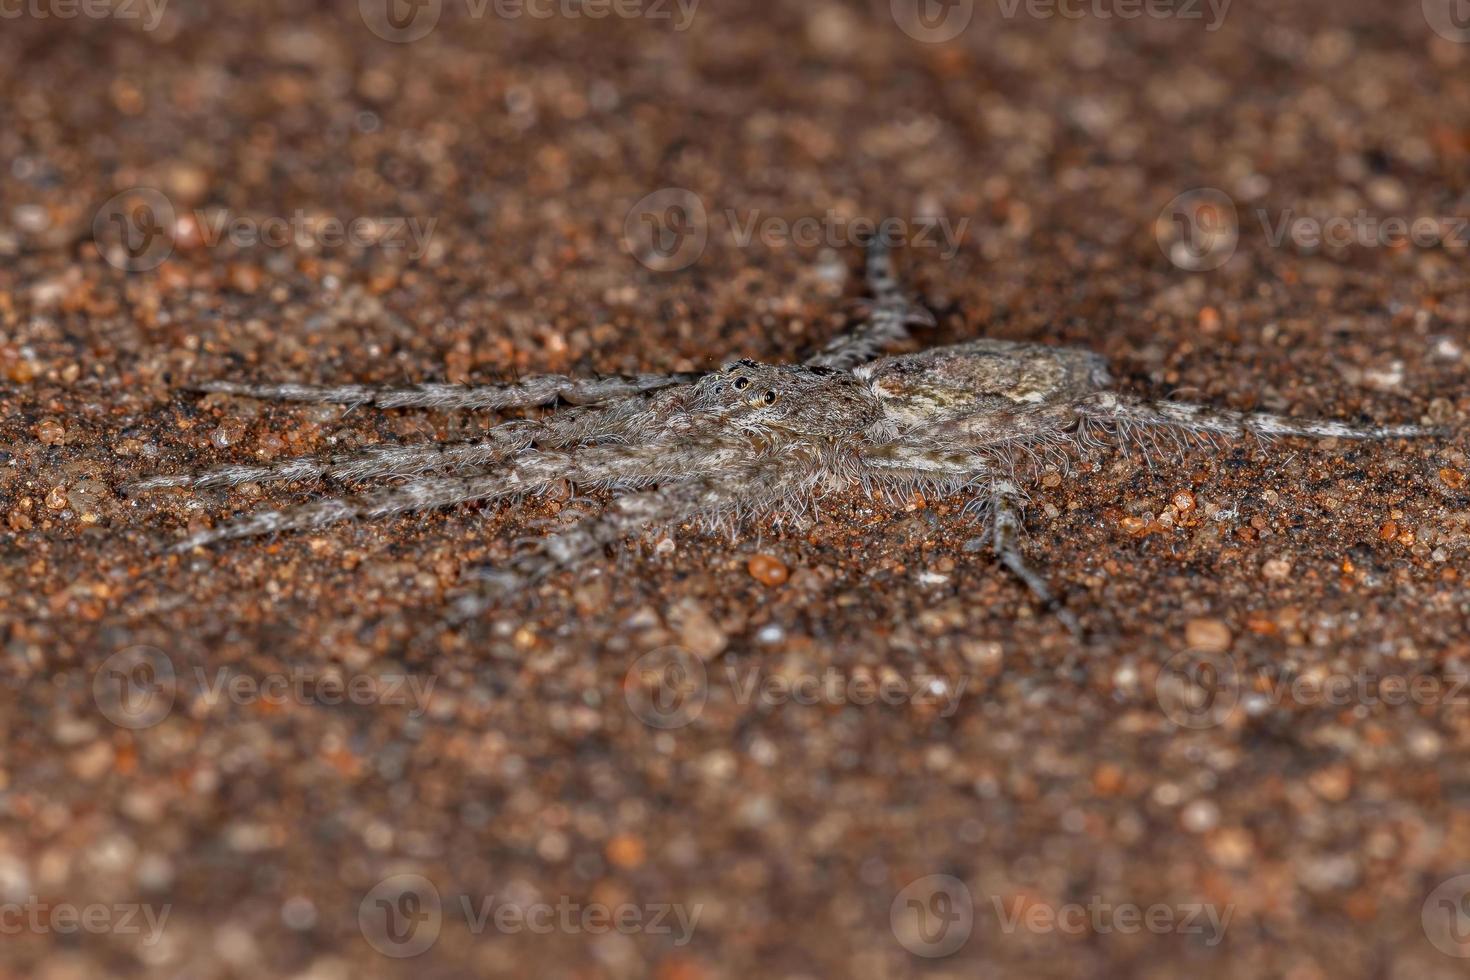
<point>752,438</point>
<point>795,401</point>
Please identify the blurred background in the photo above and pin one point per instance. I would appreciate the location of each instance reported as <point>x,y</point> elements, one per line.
<point>454,189</point>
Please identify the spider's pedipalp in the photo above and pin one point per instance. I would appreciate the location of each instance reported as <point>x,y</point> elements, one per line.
<point>526,393</point>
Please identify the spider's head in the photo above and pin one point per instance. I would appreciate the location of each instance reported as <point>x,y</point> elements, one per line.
<point>803,401</point>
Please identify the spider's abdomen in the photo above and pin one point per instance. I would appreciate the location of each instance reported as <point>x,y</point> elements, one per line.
<point>980,376</point>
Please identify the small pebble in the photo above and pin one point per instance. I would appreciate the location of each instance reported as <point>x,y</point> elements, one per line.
<point>1107,779</point>
<point>298,913</point>
<point>51,432</point>
<point>245,278</point>
<point>1207,635</point>
<point>1135,526</point>
<point>18,519</point>
<point>1231,848</point>
<point>56,498</point>
<point>768,570</point>
<point>1333,784</point>
<point>1451,478</point>
<point>697,631</point>
<point>770,634</point>
<point>625,851</point>
<point>1276,569</point>
<point>227,434</point>
<point>1200,816</point>
<point>92,762</point>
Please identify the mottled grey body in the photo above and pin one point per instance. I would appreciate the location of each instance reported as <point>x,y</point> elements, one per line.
<point>754,438</point>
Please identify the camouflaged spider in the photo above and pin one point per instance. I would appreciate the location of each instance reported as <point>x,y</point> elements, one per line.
<point>754,439</point>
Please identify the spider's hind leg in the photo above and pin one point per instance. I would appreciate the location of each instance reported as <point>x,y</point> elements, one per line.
<point>1126,415</point>
<point>886,320</point>
<point>1006,531</point>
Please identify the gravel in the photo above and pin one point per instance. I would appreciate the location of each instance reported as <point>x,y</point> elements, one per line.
<point>272,759</point>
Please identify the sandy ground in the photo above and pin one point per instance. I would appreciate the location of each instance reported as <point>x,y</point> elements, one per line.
<point>219,765</point>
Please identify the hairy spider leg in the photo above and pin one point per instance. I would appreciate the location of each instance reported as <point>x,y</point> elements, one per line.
<point>526,393</point>
<point>531,472</point>
<point>1125,412</point>
<point>888,317</point>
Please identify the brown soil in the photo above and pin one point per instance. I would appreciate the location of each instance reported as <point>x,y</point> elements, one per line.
<point>262,823</point>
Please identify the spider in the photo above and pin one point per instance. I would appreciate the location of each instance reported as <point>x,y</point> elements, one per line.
<point>753,439</point>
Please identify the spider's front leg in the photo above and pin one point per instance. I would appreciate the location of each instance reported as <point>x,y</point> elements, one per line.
<point>530,473</point>
<point>614,420</point>
<point>526,393</point>
<point>715,481</point>
<point>392,460</point>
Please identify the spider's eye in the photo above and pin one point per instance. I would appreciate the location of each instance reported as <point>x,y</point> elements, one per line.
<point>769,398</point>
<point>740,383</point>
